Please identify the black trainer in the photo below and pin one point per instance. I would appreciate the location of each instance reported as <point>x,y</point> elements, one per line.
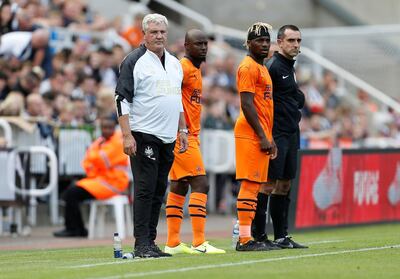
<point>160,253</point>
<point>295,244</point>
<point>145,251</point>
<point>288,243</point>
<point>284,243</point>
<point>251,246</point>
<point>268,243</point>
<point>271,245</point>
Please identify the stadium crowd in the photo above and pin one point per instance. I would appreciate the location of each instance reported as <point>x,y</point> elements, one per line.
<point>62,81</point>
<point>74,84</point>
<point>71,83</point>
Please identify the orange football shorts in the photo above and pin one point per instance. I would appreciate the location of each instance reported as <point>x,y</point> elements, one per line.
<point>251,163</point>
<point>189,163</point>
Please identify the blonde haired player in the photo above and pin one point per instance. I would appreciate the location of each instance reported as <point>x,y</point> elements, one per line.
<point>253,132</point>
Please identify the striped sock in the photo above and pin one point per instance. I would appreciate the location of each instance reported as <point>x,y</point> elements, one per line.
<point>198,213</point>
<point>174,212</point>
<point>246,207</point>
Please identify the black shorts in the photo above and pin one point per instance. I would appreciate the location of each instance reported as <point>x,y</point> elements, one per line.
<point>284,166</point>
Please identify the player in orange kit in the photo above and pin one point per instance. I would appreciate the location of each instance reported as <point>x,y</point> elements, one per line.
<point>188,168</point>
<point>253,132</point>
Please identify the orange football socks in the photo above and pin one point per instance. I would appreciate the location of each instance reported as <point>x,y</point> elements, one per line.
<point>174,212</point>
<point>246,208</point>
<point>198,213</point>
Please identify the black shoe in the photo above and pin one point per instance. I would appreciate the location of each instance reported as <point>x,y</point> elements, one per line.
<point>271,245</point>
<point>295,244</point>
<point>251,246</point>
<point>268,243</point>
<point>284,243</point>
<point>288,243</point>
<point>160,253</point>
<point>71,233</point>
<point>145,251</point>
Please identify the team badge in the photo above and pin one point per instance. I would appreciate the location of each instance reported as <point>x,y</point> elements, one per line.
<point>148,151</point>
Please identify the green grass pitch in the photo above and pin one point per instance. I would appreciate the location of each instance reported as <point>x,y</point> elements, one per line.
<point>357,252</point>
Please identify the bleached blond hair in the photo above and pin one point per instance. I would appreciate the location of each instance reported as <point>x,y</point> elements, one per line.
<point>256,28</point>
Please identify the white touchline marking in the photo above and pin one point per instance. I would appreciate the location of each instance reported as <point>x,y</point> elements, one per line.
<point>136,260</point>
<point>325,241</point>
<point>93,265</point>
<point>159,272</point>
<point>120,261</point>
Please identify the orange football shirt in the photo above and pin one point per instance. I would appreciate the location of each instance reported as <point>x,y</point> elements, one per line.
<point>254,78</point>
<point>191,95</point>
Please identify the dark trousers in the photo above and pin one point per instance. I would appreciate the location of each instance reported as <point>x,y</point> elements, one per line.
<point>73,196</point>
<point>150,168</point>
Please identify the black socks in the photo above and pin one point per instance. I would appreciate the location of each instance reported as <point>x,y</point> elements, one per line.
<point>278,208</point>
<point>259,223</point>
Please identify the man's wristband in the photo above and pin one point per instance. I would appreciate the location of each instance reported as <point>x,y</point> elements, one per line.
<point>183,130</point>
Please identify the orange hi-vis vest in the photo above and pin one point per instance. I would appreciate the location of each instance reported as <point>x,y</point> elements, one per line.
<point>106,167</point>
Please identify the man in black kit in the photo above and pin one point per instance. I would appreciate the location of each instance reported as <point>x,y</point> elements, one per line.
<point>288,100</point>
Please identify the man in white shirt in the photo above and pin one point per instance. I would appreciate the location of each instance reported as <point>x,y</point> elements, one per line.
<point>25,45</point>
<point>149,106</point>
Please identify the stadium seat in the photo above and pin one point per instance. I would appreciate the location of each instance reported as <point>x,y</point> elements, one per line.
<point>72,146</point>
<point>122,214</point>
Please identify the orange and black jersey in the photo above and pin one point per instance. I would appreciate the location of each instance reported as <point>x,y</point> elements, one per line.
<point>254,78</point>
<point>191,95</point>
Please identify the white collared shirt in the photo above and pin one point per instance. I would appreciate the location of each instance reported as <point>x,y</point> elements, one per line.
<point>155,92</point>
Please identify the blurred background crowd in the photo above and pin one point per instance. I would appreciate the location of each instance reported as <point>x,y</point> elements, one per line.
<point>72,84</point>
<point>59,64</point>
